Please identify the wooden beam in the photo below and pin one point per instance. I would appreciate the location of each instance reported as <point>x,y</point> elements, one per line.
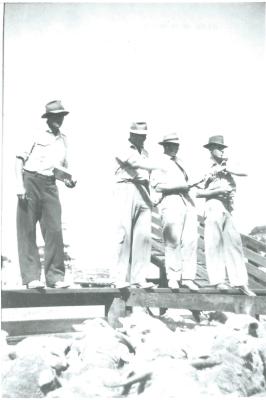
<point>19,298</point>
<point>205,300</point>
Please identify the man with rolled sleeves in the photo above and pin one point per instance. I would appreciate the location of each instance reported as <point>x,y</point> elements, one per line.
<point>38,201</point>
<point>179,217</point>
<point>223,246</point>
<point>133,233</point>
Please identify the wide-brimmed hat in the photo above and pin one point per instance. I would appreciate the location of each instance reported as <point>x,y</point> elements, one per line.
<point>139,128</point>
<point>217,139</point>
<point>170,138</point>
<point>54,107</point>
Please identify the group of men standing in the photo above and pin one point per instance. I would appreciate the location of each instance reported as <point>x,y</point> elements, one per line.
<point>137,175</point>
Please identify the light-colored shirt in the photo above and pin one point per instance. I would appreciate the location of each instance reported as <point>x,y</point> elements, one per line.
<point>47,152</point>
<point>217,179</point>
<point>130,154</point>
<point>170,174</point>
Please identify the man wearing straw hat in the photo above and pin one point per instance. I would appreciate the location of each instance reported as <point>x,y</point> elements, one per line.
<point>38,201</point>
<point>179,217</point>
<point>223,246</point>
<point>133,203</point>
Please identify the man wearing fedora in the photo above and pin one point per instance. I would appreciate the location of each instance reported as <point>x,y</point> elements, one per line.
<point>133,210</point>
<point>223,246</point>
<point>38,201</point>
<point>179,217</point>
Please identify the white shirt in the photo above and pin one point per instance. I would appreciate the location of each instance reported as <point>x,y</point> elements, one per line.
<point>47,152</point>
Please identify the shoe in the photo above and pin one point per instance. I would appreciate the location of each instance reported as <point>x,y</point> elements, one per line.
<point>35,285</point>
<point>222,286</point>
<point>121,284</point>
<point>189,284</point>
<point>172,284</point>
<point>59,285</point>
<point>245,290</point>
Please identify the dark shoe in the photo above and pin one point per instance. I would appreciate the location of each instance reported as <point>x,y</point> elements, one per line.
<point>59,285</point>
<point>245,290</point>
<point>189,284</point>
<point>35,285</point>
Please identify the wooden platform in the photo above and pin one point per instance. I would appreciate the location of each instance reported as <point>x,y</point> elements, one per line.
<point>115,302</point>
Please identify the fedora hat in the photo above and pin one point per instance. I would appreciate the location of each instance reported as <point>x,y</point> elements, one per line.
<point>54,107</point>
<point>139,128</point>
<point>170,138</point>
<point>217,139</point>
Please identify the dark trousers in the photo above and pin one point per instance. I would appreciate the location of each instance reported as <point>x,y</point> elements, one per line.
<point>42,206</point>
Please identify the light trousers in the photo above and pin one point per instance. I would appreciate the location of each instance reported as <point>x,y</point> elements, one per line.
<point>133,233</point>
<point>223,246</point>
<point>179,220</point>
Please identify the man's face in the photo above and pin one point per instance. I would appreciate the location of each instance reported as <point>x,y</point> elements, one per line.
<point>137,140</point>
<point>217,152</point>
<point>54,121</point>
<point>171,148</point>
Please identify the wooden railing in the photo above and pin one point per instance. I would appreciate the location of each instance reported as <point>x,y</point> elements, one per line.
<point>254,252</point>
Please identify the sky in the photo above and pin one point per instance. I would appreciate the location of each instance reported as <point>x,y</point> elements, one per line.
<point>197,69</point>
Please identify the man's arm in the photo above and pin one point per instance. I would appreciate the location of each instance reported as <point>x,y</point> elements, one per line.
<point>146,164</point>
<point>69,182</point>
<point>21,191</point>
<point>219,191</point>
<point>167,188</point>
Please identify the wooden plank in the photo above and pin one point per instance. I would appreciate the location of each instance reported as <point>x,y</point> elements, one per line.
<point>157,232</point>
<point>57,297</point>
<point>256,274</point>
<point>25,328</point>
<point>254,257</point>
<point>253,244</point>
<point>198,301</point>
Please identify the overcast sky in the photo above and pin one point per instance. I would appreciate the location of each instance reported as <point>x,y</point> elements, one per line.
<point>197,69</point>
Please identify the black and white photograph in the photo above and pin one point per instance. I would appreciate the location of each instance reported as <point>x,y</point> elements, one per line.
<point>133,217</point>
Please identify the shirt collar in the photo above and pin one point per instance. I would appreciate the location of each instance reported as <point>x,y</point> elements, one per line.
<point>132,146</point>
<point>52,134</point>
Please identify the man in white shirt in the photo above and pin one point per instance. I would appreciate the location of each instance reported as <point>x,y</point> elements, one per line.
<point>223,246</point>
<point>38,201</point>
<point>133,203</point>
<point>179,217</point>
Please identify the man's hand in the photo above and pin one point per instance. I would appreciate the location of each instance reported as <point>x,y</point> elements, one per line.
<point>21,193</point>
<point>70,183</point>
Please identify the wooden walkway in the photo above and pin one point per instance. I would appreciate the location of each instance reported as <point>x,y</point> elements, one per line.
<point>117,302</point>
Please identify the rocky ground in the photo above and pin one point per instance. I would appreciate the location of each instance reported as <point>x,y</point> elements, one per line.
<point>148,357</point>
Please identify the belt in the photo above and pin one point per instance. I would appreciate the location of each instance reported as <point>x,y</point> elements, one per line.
<point>49,178</point>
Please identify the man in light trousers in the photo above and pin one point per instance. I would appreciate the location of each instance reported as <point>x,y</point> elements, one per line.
<point>133,205</point>
<point>179,217</point>
<point>223,246</point>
